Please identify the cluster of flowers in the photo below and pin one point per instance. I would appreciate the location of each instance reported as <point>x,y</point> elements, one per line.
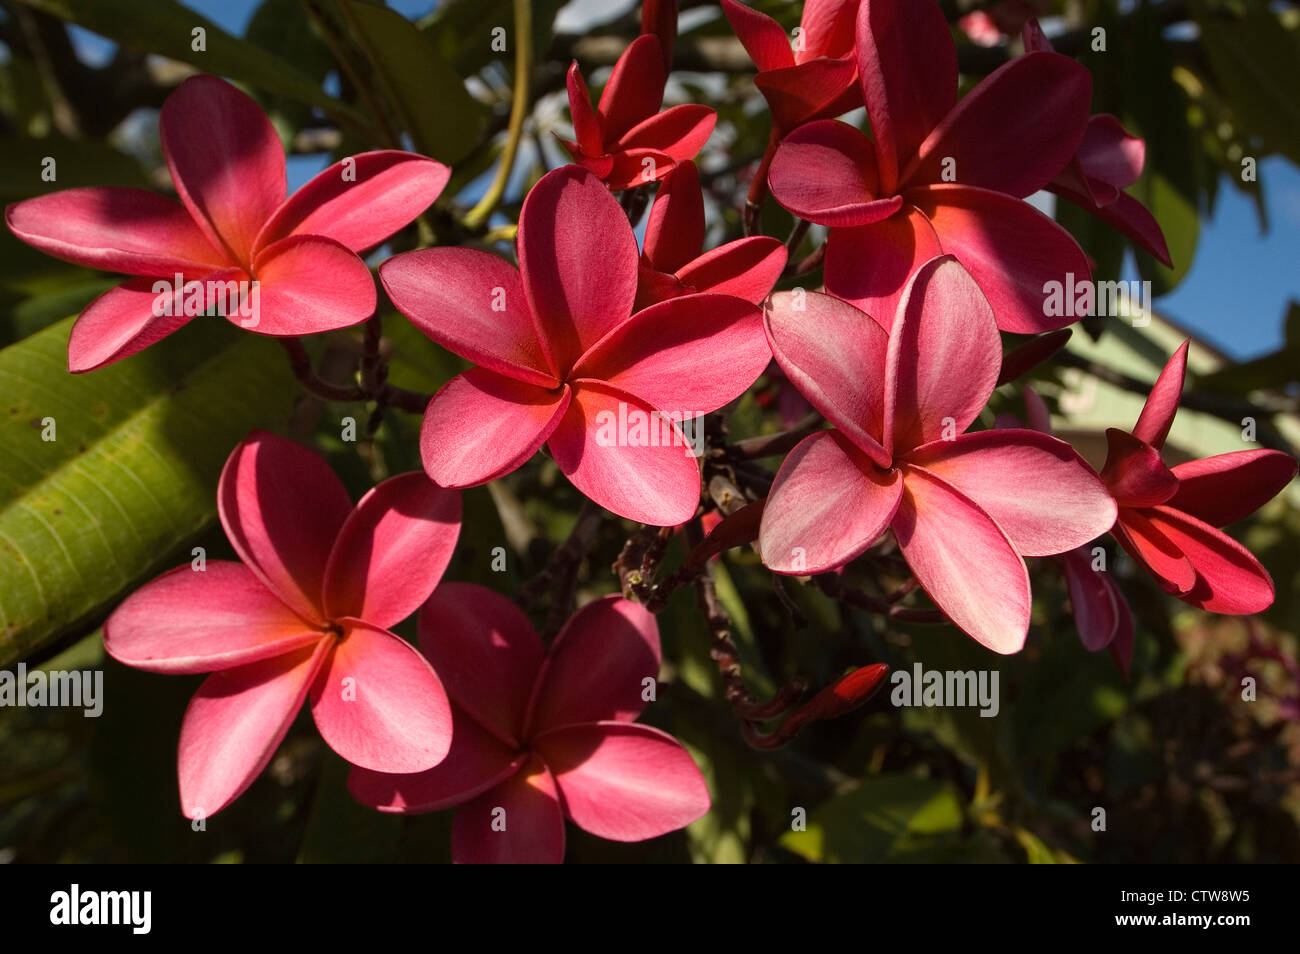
<point>931,252</point>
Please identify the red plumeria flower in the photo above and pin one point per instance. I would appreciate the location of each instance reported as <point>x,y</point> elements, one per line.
<point>563,361</point>
<point>626,141</point>
<point>306,613</point>
<point>1168,516</point>
<point>234,225</point>
<point>815,80</point>
<point>939,176</point>
<point>1109,159</point>
<point>965,508</point>
<point>544,735</point>
<point>671,263</point>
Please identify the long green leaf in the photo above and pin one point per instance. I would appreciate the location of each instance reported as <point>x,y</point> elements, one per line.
<point>130,475</point>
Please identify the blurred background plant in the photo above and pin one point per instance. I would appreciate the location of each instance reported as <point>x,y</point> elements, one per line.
<point>1185,768</point>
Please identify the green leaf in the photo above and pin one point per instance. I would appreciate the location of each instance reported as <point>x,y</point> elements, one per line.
<point>462,30</point>
<point>165,27</point>
<point>131,473</point>
<point>432,102</point>
<point>887,818</point>
<point>76,163</point>
<point>343,831</point>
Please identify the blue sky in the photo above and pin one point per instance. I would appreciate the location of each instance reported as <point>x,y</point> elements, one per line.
<point>1238,286</point>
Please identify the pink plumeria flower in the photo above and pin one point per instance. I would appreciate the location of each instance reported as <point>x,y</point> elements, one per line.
<point>940,176</point>
<point>562,359</point>
<point>818,77</point>
<point>306,613</point>
<point>626,140</point>
<point>1168,515</point>
<point>671,261</point>
<point>964,508</point>
<point>233,225</point>
<point>1109,159</point>
<point>543,735</point>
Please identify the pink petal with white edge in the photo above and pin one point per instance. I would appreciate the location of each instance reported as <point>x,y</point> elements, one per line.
<point>964,561</point>
<point>361,200</point>
<point>1228,577</point>
<point>1067,507</point>
<point>472,303</point>
<point>1014,131</point>
<point>829,502</point>
<point>234,724</point>
<point>1092,599</point>
<point>187,621</point>
<point>123,321</point>
<point>1226,488</point>
<point>578,257</point>
<point>486,652</point>
<point>392,550</point>
<point>476,763</point>
<point>1134,472</point>
<point>674,233</point>
<point>944,357</point>
<point>378,703</point>
<point>635,89</point>
<point>597,667</point>
<point>624,782</point>
<point>869,267</point>
<point>226,161</point>
<point>309,284</point>
<point>281,507</point>
<point>907,65</point>
<point>746,268</point>
<point>835,356</point>
<point>117,230</point>
<point>845,191</point>
<point>482,425</point>
<point>1162,403</point>
<point>533,833</point>
<point>627,473</point>
<point>691,354</point>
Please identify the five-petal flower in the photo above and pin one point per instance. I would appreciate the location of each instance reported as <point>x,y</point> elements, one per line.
<point>543,735</point>
<point>234,226</point>
<point>306,613</point>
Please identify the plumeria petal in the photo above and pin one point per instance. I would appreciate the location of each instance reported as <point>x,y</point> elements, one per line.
<point>761,36</point>
<point>674,233</point>
<point>1154,551</point>
<point>597,667</point>
<point>117,230</point>
<point>586,124</point>
<point>964,561</point>
<point>1068,505</point>
<point>1012,250</point>
<point>654,484</point>
<point>1126,215</point>
<point>624,782</point>
<point>907,65</point>
<point>1110,154</point>
<point>392,550</point>
<point>869,267</point>
<point>487,653</point>
<point>1121,647</point>
<point>482,425</point>
<point>225,159</point>
<point>746,268</point>
<point>1162,403</point>
<point>309,284</point>
<point>361,200</point>
<point>1134,472</point>
<point>578,257</point>
<point>691,354</point>
<point>1228,577</point>
<point>473,304</point>
<point>533,833</point>
<point>189,621</point>
<point>631,168</point>
<point>944,357</point>
<point>234,724</point>
<point>829,502</point>
<point>1226,488</point>
<point>477,762</point>
<point>635,89</point>
<point>815,89</point>
<point>282,507</point>
<point>835,356</point>
<point>1093,600</point>
<point>829,28</point>
<point>379,704</point>
<point>680,131</point>
<point>845,190</point>
<point>1038,101</point>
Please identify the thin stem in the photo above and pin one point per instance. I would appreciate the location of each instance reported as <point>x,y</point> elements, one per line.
<point>758,185</point>
<point>518,110</point>
<point>300,363</point>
